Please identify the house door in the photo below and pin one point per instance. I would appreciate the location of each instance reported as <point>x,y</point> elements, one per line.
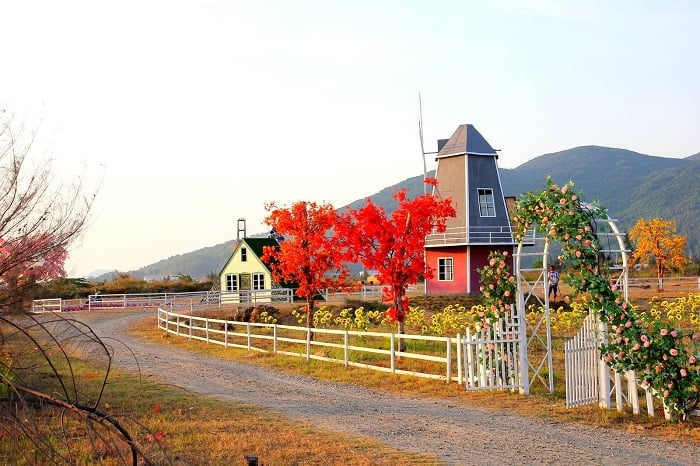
<point>245,286</point>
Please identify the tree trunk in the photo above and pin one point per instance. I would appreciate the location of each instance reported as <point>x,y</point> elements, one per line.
<point>310,306</point>
<point>402,331</point>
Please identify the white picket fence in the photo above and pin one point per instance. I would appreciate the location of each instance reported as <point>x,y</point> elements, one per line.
<point>492,357</point>
<point>590,380</point>
<point>370,350</point>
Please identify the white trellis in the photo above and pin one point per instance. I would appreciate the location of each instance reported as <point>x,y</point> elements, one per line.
<point>536,358</point>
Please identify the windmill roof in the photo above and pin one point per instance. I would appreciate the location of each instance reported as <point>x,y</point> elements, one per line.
<point>466,140</point>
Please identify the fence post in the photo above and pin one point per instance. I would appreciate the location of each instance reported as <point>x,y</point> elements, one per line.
<point>346,350</point>
<point>603,371</point>
<point>449,360</point>
<point>248,328</point>
<point>225,333</point>
<point>618,393</point>
<point>393,355</point>
<point>460,378</point>
<point>632,394</point>
<point>308,343</point>
<point>650,403</point>
<point>274,339</point>
<point>206,329</point>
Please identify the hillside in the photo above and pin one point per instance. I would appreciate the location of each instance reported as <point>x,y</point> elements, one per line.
<point>631,185</point>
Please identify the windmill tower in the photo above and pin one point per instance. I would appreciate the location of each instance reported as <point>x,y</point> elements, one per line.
<point>467,172</point>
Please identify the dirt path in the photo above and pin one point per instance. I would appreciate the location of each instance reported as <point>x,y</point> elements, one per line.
<point>454,434</point>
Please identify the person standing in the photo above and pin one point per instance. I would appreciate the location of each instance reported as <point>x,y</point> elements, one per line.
<point>553,280</point>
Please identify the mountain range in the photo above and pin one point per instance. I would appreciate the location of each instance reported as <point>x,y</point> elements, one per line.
<point>629,184</point>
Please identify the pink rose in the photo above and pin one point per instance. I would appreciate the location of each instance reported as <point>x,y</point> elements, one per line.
<point>673,352</point>
<point>674,334</point>
<point>664,332</point>
<point>692,360</point>
<point>684,373</point>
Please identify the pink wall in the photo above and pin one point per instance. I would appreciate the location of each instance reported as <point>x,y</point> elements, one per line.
<point>466,277</point>
<point>459,284</point>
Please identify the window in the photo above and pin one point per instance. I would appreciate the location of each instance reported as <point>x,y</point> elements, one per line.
<point>445,269</point>
<point>244,255</point>
<point>258,281</point>
<point>231,282</point>
<point>487,206</point>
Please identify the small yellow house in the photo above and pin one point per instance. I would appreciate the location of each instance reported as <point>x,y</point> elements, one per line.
<point>245,272</point>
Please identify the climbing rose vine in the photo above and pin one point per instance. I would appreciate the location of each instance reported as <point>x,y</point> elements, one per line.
<point>665,358</point>
<point>498,287</point>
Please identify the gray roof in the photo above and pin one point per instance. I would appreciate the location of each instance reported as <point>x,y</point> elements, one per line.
<point>466,140</point>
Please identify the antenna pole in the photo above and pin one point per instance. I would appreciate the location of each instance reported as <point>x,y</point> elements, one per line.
<point>422,148</point>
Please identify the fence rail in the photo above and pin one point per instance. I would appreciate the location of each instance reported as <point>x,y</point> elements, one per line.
<point>370,350</point>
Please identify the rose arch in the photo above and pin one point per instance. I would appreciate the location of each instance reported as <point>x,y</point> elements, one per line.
<point>592,247</point>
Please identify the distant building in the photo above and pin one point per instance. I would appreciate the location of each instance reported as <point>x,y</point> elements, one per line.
<point>467,172</point>
<point>245,270</point>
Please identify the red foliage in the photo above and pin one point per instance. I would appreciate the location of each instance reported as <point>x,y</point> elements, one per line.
<point>26,260</point>
<point>393,246</point>
<point>310,256</point>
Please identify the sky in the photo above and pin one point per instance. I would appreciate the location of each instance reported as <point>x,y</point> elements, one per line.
<point>185,116</point>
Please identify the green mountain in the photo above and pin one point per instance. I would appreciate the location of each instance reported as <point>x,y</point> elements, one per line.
<point>629,184</point>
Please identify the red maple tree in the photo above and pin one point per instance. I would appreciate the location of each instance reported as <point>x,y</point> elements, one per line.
<point>310,256</point>
<point>393,245</point>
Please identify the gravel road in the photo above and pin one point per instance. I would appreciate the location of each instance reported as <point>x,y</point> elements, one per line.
<point>456,435</point>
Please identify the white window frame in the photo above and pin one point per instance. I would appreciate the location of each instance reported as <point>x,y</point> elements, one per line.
<point>487,203</point>
<point>258,281</point>
<point>231,282</point>
<point>244,254</point>
<point>445,269</point>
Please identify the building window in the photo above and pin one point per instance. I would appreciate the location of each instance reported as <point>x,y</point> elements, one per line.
<point>445,269</point>
<point>487,206</point>
<point>258,281</point>
<point>244,254</point>
<point>231,282</point>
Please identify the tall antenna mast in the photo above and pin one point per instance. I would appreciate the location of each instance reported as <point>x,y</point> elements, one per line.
<point>422,148</point>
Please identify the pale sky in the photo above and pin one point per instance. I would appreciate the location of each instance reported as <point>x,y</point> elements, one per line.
<point>193,114</point>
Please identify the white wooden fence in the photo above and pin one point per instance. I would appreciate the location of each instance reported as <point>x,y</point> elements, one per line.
<point>590,380</point>
<point>370,350</point>
<point>581,363</point>
<point>47,305</point>
<point>492,357</point>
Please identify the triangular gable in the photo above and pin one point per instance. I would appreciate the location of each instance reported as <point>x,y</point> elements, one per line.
<point>255,246</point>
<point>466,140</point>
